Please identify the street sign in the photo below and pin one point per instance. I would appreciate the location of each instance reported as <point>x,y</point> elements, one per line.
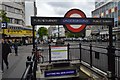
<point>4,25</point>
<point>54,73</point>
<point>78,14</point>
<point>72,20</point>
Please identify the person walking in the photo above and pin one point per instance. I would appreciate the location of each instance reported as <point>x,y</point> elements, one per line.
<point>16,47</point>
<point>5,51</point>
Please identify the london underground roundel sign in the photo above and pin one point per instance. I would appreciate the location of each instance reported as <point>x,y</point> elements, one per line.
<point>76,13</point>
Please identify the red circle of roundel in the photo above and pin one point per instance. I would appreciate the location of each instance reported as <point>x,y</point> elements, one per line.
<point>75,11</point>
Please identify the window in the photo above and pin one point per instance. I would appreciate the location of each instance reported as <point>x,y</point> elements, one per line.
<point>15,21</point>
<point>11,9</point>
<point>10,20</point>
<point>20,22</point>
<point>112,14</point>
<point>17,10</point>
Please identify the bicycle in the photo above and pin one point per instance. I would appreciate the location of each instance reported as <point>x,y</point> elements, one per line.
<point>39,55</point>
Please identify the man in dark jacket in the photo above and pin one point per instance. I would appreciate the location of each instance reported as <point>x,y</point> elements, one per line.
<point>5,51</point>
<point>16,47</point>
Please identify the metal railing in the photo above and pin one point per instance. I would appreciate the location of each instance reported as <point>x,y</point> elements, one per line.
<point>94,56</point>
<point>31,67</point>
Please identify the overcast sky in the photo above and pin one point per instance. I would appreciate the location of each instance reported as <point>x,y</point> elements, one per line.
<point>58,8</point>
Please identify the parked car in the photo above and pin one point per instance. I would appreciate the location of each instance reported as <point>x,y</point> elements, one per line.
<point>54,40</point>
<point>60,42</point>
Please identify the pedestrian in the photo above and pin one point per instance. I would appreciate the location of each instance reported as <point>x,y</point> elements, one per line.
<point>16,47</point>
<point>5,51</point>
<point>26,42</point>
<point>10,43</point>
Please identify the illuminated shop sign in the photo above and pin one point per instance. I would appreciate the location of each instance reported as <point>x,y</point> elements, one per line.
<point>60,73</point>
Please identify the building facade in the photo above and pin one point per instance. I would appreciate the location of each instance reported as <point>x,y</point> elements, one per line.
<point>30,10</point>
<point>106,9</point>
<point>55,31</point>
<point>15,12</point>
<point>16,27</point>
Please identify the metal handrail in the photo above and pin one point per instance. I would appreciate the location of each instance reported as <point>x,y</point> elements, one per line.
<point>25,74</point>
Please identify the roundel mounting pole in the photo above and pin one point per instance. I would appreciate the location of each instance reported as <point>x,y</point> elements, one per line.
<point>35,60</point>
<point>33,32</point>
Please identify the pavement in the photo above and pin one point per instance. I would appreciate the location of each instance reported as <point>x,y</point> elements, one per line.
<point>17,64</point>
<point>0,74</point>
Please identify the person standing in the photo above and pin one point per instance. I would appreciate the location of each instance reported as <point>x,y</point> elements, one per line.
<point>16,47</point>
<point>5,51</point>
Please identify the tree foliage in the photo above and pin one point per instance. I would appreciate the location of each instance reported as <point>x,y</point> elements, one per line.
<point>76,35</point>
<point>29,26</point>
<point>42,31</point>
<point>3,16</point>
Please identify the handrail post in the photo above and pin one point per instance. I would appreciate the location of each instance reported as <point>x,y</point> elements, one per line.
<point>33,38</point>
<point>68,51</point>
<point>34,69</point>
<point>29,62</point>
<point>90,55</point>
<point>80,52</point>
<point>111,53</point>
<point>49,53</point>
<point>34,64</point>
<point>111,61</point>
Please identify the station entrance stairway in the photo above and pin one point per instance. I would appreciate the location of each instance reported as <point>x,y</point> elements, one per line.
<point>65,71</point>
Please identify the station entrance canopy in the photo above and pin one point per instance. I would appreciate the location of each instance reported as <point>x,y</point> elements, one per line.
<point>67,21</point>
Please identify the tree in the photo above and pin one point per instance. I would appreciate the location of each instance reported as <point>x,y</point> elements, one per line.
<point>29,26</point>
<point>3,16</point>
<point>42,31</point>
<point>76,35</point>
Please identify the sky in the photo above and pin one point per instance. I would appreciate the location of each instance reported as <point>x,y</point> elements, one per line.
<point>58,8</point>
